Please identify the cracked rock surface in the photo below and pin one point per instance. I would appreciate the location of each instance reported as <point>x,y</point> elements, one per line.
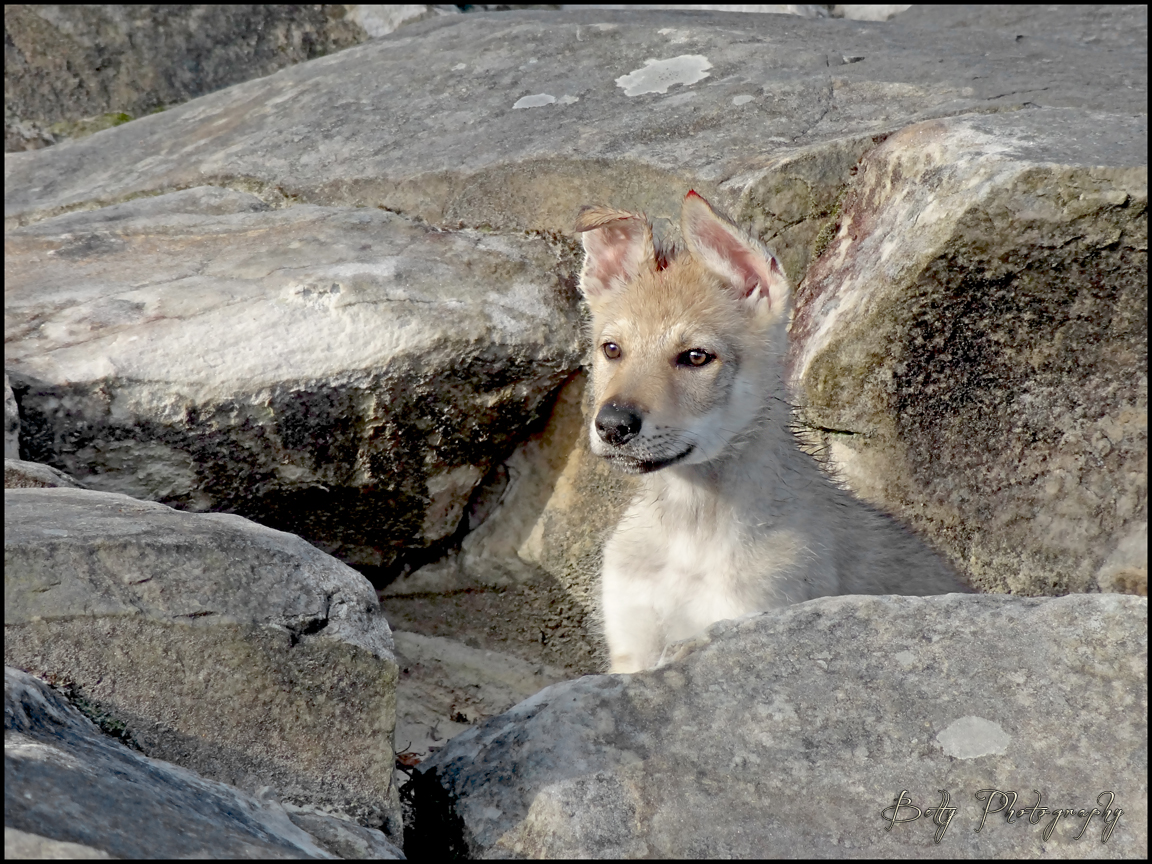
<point>240,652</point>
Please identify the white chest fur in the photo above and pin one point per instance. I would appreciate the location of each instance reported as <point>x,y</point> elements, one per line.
<point>679,562</point>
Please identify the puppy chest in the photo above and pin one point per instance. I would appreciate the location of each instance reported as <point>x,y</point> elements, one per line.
<point>677,565</point>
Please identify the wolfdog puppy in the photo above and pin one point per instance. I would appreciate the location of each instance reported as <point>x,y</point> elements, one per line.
<point>732,517</point>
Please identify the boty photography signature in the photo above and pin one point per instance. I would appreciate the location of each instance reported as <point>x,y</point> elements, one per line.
<point>994,801</point>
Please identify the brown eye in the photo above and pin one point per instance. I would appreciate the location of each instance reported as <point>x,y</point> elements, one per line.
<point>695,357</point>
<point>611,350</point>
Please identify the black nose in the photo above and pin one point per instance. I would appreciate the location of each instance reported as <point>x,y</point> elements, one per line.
<point>618,424</point>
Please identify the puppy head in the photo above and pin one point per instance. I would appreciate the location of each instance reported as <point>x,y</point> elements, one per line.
<point>680,336</point>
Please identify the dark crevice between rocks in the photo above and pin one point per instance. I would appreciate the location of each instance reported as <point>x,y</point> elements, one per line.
<point>433,830</point>
<point>411,560</point>
<point>104,719</point>
<point>20,387</point>
<point>482,503</point>
<point>297,630</point>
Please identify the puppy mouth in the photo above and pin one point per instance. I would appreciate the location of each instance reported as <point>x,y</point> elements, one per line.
<point>632,465</point>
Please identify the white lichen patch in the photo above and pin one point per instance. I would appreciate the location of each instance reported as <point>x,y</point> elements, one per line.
<point>535,101</point>
<point>742,99</point>
<point>658,75</point>
<point>970,737</point>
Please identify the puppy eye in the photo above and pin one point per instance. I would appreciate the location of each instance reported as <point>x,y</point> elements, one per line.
<point>695,357</point>
<point>611,350</point>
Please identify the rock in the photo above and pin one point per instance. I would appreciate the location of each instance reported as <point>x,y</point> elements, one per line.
<point>446,686</point>
<point>23,845</point>
<point>1125,571</point>
<point>342,838</point>
<point>11,422</point>
<point>971,348</point>
<point>869,12</point>
<point>239,652</point>
<point>346,375</point>
<point>789,734</point>
<point>537,621</point>
<point>516,508</point>
<point>494,550</point>
<point>585,503</point>
<point>378,19</point>
<point>73,70</point>
<point>19,474</point>
<point>70,791</point>
<point>441,139</point>
<point>1098,28</point>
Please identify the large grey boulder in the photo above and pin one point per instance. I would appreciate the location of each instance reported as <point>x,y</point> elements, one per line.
<point>791,733</point>
<point>971,347</point>
<point>71,791</point>
<point>240,652</point>
<point>515,119</point>
<point>346,375</point>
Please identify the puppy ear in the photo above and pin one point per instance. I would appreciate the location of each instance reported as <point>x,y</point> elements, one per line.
<point>617,248</point>
<point>729,253</point>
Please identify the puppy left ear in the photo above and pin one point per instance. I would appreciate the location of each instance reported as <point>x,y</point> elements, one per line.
<point>617,249</point>
<point>730,254</point>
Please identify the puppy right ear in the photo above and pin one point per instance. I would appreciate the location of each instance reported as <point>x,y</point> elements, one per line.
<point>617,248</point>
<point>731,254</point>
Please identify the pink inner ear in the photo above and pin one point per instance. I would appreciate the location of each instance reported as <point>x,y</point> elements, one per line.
<point>613,253</point>
<point>747,265</point>
<point>609,247</point>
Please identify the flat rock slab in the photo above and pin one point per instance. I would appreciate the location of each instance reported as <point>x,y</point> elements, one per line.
<point>790,734</point>
<point>85,795</point>
<point>515,119</point>
<point>346,375</point>
<point>237,651</point>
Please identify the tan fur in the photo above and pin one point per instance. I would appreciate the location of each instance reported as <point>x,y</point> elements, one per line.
<point>732,518</point>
